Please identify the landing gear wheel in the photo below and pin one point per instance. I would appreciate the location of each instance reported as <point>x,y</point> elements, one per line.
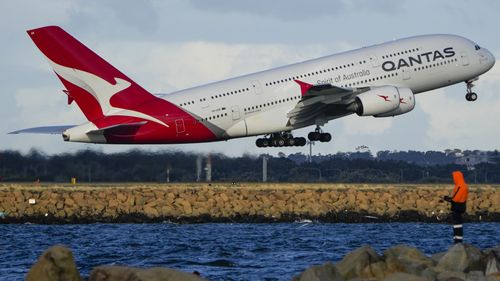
<point>325,137</point>
<point>314,136</point>
<point>280,142</point>
<point>265,142</point>
<point>290,142</point>
<point>300,141</point>
<point>470,96</point>
<point>262,142</point>
<point>258,143</point>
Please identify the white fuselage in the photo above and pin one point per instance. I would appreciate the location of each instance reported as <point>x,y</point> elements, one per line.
<point>258,103</point>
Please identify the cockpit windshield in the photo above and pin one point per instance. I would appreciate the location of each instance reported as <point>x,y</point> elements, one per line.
<point>477,47</point>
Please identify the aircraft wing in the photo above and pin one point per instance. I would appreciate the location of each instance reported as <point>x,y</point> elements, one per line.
<point>321,103</point>
<point>51,130</point>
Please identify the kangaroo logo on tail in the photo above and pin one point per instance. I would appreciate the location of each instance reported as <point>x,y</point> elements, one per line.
<point>102,91</point>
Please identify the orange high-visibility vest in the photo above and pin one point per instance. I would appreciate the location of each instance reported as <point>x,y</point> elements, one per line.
<point>461,190</point>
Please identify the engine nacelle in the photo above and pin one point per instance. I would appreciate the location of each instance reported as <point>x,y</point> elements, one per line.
<point>406,103</point>
<point>376,101</point>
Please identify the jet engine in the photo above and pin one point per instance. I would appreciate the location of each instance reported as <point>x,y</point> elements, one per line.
<point>383,102</point>
<point>406,103</point>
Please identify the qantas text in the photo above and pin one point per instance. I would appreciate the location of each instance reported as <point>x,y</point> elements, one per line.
<point>419,59</point>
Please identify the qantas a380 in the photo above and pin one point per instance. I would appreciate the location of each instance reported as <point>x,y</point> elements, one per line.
<point>379,81</point>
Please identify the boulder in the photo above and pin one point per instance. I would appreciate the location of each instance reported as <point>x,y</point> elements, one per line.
<point>451,276</point>
<point>437,256</point>
<point>476,276</point>
<point>119,273</point>
<point>151,212</point>
<point>111,273</point>
<point>402,258</point>
<point>492,264</point>
<point>325,272</point>
<point>55,264</point>
<point>377,270</point>
<point>461,258</point>
<point>354,263</point>
<point>399,276</point>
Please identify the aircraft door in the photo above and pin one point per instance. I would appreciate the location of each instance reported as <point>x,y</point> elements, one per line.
<point>256,87</point>
<point>465,59</point>
<point>373,59</point>
<point>179,126</point>
<point>406,73</point>
<point>235,111</point>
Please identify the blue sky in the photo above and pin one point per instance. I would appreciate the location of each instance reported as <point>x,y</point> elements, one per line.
<point>171,45</point>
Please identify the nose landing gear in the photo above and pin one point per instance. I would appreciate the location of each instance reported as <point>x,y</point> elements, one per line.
<point>470,96</point>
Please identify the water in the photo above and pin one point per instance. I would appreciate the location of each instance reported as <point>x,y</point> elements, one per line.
<point>223,251</point>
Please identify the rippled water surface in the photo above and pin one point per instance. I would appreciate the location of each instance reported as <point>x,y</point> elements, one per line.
<point>222,251</point>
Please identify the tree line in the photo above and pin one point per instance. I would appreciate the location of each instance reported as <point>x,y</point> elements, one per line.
<point>176,166</point>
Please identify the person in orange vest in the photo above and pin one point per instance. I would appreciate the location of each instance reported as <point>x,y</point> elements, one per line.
<point>458,202</point>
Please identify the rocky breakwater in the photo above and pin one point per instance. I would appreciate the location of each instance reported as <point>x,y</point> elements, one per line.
<point>241,203</point>
<point>461,262</point>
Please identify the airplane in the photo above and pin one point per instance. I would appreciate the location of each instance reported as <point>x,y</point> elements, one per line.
<point>380,81</point>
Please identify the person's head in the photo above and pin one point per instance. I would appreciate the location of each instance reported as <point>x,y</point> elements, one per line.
<point>458,178</point>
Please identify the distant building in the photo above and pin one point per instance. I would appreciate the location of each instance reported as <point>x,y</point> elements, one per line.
<point>472,158</point>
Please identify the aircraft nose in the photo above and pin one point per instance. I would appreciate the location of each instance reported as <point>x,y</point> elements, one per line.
<point>490,61</point>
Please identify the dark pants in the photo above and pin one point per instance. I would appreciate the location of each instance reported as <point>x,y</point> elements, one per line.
<point>458,232</point>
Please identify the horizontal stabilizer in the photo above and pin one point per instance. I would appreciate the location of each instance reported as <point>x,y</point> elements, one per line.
<point>118,128</point>
<point>50,130</point>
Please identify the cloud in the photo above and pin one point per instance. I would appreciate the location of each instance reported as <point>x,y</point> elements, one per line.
<point>167,67</point>
<point>116,19</point>
<point>454,122</point>
<point>297,10</point>
<point>45,106</point>
<point>355,125</point>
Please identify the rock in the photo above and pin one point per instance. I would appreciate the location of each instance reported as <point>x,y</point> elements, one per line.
<point>55,264</point>
<point>400,276</point>
<point>429,274</point>
<point>496,250</point>
<point>354,263</point>
<point>437,256</point>
<point>121,197</point>
<point>476,276</point>
<point>119,273</point>
<point>326,272</point>
<point>402,258</point>
<point>151,212</point>
<point>492,264</point>
<point>461,258</point>
<point>451,276</point>
<point>110,273</point>
<point>377,270</point>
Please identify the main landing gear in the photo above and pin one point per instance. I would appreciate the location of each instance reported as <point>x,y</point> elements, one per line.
<point>470,96</point>
<point>279,140</point>
<point>287,139</point>
<point>318,135</point>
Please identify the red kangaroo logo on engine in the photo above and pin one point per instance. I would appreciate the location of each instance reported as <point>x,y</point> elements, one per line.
<point>386,98</point>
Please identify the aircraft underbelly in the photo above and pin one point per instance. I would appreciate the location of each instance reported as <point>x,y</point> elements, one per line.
<point>267,122</point>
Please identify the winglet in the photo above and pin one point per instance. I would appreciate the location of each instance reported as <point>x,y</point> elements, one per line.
<point>304,87</point>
